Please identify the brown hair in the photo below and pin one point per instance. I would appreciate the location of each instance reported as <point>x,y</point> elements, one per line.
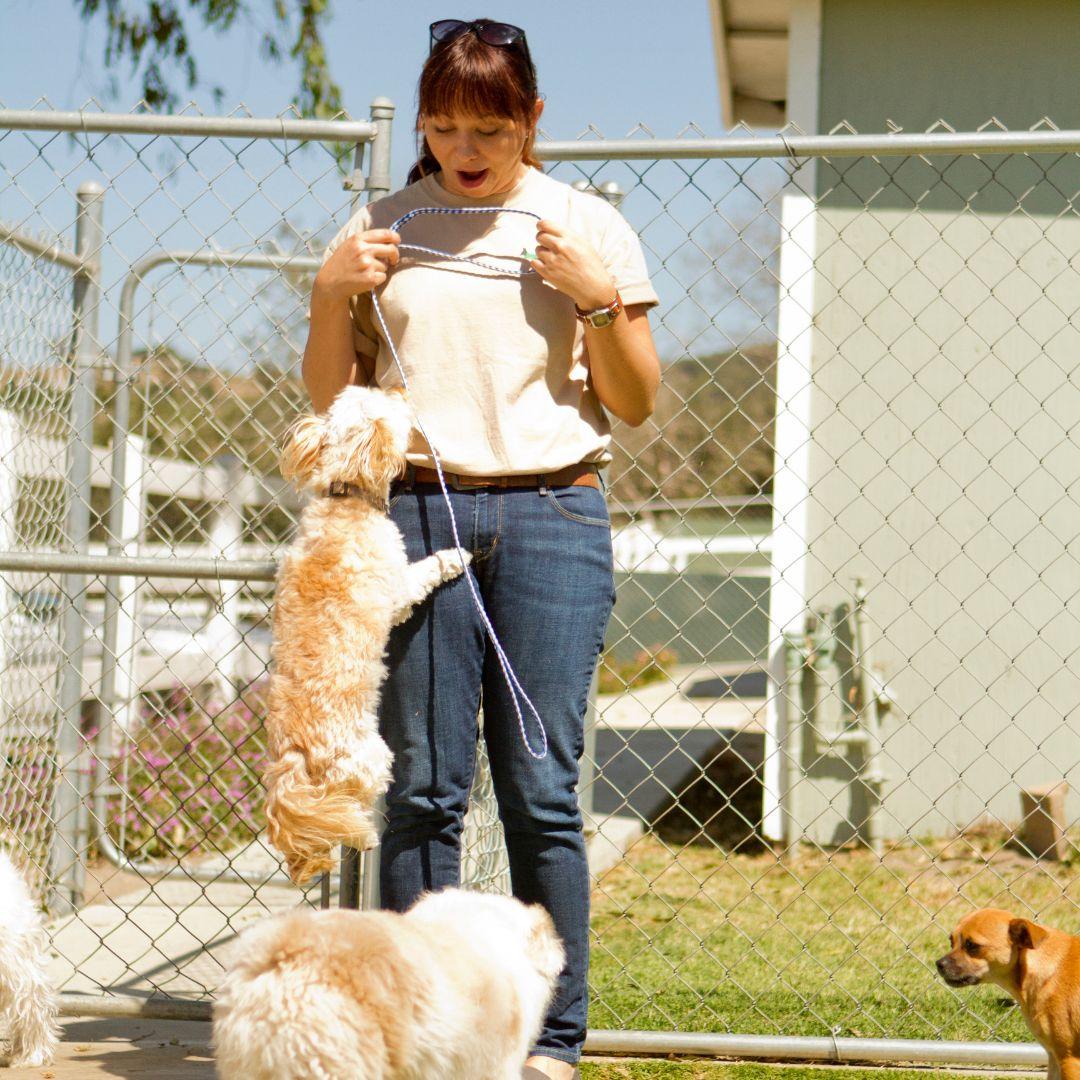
<point>469,76</point>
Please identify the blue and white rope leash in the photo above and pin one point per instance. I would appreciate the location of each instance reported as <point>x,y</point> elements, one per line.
<point>517,691</point>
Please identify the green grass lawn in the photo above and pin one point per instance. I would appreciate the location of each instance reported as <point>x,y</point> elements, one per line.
<point>690,938</point>
<point>703,1070</point>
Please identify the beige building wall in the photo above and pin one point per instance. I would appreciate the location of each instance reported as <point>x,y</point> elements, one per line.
<point>945,463</point>
<point>945,472</point>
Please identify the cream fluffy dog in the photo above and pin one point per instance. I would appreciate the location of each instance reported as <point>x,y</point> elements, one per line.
<point>342,585</point>
<point>27,1001</point>
<point>455,989</point>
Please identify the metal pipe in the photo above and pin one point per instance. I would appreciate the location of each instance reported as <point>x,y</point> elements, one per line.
<point>811,146</point>
<point>351,131</point>
<point>147,566</point>
<point>654,1043</point>
<point>787,664</point>
<point>807,1048</point>
<point>148,1008</point>
<point>67,872</point>
<point>871,773</point>
<point>382,119</point>
<point>116,565</point>
<point>358,884</point>
<point>191,873</point>
<point>32,246</point>
<point>345,131</point>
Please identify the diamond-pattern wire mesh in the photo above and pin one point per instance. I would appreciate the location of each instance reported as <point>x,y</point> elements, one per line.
<point>35,332</point>
<point>867,375</point>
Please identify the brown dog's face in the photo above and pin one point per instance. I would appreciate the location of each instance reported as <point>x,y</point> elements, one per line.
<point>360,439</point>
<point>986,946</point>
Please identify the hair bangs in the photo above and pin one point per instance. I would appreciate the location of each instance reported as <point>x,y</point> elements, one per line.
<point>469,78</point>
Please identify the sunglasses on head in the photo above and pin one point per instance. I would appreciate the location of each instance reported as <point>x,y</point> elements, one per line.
<point>492,33</point>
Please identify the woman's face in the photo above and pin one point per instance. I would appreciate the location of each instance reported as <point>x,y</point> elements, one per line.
<point>479,155</point>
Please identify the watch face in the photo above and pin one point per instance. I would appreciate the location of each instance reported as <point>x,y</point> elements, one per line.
<point>601,318</point>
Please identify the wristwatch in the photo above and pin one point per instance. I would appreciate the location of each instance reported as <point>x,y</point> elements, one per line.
<point>601,317</point>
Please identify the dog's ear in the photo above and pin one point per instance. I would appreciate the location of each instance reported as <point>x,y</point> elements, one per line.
<point>303,445</point>
<point>372,459</point>
<point>1025,934</point>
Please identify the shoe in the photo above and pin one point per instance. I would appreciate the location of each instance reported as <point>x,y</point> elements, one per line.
<point>535,1074</point>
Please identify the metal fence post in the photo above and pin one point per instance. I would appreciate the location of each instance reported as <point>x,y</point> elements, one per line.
<point>359,872</point>
<point>70,810</point>
<point>226,536</point>
<point>378,181</point>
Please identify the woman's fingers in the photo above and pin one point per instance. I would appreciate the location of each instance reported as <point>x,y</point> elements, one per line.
<point>379,236</point>
<point>385,253</point>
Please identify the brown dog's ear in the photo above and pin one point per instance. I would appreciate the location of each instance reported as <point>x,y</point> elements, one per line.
<point>1025,934</point>
<point>372,460</point>
<point>303,444</point>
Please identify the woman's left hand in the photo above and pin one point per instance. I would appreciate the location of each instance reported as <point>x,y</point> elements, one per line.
<point>571,264</point>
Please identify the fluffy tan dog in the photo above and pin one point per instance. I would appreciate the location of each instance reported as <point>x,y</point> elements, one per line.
<point>342,585</point>
<point>455,989</point>
<point>1038,966</point>
<point>27,1000</point>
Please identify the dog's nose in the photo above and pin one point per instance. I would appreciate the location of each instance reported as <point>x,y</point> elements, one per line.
<point>941,965</point>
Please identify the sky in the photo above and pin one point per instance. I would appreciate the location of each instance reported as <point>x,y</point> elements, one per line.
<point>608,64</point>
<point>605,67</point>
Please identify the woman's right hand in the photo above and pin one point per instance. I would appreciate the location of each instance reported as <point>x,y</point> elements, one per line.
<point>359,264</point>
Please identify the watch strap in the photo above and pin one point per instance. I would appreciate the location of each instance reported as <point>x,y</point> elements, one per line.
<point>602,316</point>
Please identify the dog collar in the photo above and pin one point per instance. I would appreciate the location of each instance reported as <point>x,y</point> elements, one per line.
<point>338,489</point>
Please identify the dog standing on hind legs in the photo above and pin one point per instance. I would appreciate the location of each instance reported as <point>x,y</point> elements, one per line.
<point>343,584</point>
<point>27,1000</point>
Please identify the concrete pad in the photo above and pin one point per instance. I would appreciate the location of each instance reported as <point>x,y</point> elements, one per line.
<point>150,1049</point>
<point>607,839</point>
<point>164,936</point>
<point>664,705</point>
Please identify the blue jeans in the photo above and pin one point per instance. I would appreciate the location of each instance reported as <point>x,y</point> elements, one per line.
<point>542,559</point>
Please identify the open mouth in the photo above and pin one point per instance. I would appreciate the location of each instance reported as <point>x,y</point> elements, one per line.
<point>471,179</point>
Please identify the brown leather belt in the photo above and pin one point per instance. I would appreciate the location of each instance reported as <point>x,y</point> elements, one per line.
<point>579,475</point>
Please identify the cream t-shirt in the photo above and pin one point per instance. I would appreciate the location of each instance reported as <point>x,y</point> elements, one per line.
<point>496,365</point>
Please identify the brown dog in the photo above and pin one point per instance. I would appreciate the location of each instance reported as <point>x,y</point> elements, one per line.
<point>1040,967</point>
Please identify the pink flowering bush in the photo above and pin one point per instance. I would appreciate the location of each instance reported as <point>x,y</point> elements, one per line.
<point>187,783</point>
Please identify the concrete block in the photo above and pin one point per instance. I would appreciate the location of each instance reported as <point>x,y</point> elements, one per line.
<point>1042,820</point>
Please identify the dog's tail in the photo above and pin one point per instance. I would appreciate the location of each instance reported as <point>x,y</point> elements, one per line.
<point>308,817</point>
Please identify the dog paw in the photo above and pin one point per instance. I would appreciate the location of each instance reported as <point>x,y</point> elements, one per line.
<point>451,564</point>
<point>31,1058</point>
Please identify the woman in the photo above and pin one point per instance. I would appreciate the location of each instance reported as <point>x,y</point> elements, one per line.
<point>513,386</point>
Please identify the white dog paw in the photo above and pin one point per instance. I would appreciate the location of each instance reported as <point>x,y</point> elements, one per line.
<point>32,1058</point>
<point>450,562</point>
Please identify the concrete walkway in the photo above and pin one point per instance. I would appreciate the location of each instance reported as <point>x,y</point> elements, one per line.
<point>137,1050</point>
<point>158,1049</point>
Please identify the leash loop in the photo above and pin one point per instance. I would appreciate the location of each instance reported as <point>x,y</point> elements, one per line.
<point>406,218</point>
<point>517,691</point>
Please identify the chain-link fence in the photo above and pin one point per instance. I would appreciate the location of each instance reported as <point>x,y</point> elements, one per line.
<point>844,648</point>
